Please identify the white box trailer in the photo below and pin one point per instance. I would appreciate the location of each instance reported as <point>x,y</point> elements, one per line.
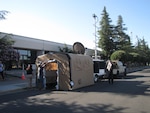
<point>99,69</point>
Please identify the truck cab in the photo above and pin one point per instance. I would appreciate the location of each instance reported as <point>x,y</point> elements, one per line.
<point>119,68</point>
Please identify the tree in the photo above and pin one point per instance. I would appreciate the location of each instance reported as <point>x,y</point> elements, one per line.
<point>143,50</point>
<point>7,53</point>
<point>121,39</point>
<point>65,49</point>
<point>105,35</point>
<point>134,57</point>
<point>3,14</point>
<point>119,55</point>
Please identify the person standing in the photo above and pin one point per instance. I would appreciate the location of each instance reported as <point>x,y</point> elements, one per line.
<point>110,72</point>
<point>29,76</point>
<point>42,74</point>
<point>2,70</point>
<point>44,78</point>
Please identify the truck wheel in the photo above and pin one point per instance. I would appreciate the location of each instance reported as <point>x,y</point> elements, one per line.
<point>95,78</point>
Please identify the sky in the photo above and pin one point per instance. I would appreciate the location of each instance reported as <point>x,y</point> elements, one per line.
<point>70,21</point>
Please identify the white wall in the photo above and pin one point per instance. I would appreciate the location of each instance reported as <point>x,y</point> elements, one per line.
<point>23,42</point>
<point>37,44</point>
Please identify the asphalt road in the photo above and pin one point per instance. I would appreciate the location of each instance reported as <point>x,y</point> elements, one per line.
<point>128,95</point>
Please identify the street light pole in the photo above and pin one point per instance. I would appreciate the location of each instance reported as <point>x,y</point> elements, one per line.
<point>95,18</point>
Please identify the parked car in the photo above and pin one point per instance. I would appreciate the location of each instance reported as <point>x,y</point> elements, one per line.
<point>118,68</point>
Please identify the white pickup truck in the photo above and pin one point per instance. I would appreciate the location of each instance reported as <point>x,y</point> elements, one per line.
<point>118,68</point>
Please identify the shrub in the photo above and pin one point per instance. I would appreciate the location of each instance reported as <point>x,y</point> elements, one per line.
<point>119,55</point>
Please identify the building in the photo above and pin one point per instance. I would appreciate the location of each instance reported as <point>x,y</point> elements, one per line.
<point>30,48</point>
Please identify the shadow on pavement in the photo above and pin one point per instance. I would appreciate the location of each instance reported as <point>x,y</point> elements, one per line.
<point>128,86</point>
<point>33,100</point>
<point>136,76</point>
<point>26,104</point>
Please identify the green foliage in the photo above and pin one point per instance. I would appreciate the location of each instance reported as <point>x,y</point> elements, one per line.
<point>65,49</point>
<point>105,34</point>
<point>6,40</point>
<point>111,37</point>
<point>134,57</point>
<point>3,14</point>
<point>116,44</point>
<point>143,50</point>
<point>7,52</point>
<point>119,55</point>
<point>120,38</point>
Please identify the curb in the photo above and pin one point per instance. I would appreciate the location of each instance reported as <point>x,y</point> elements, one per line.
<point>134,69</point>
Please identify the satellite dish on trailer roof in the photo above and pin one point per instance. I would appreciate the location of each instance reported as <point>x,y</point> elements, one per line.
<point>78,48</point>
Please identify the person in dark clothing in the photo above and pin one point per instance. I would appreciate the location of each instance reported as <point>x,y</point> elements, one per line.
<point>41,76</point>
<point>111,77</point>
<point>2,70</point>
<point>29,76</point>
<point>110,72</point>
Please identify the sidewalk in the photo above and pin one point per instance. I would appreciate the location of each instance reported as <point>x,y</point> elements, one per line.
<point>12,83</point>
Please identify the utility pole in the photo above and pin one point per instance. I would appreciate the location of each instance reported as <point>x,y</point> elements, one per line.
<point>96,19</point>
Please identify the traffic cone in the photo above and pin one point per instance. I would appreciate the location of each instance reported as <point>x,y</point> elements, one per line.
<point>23,77</point>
